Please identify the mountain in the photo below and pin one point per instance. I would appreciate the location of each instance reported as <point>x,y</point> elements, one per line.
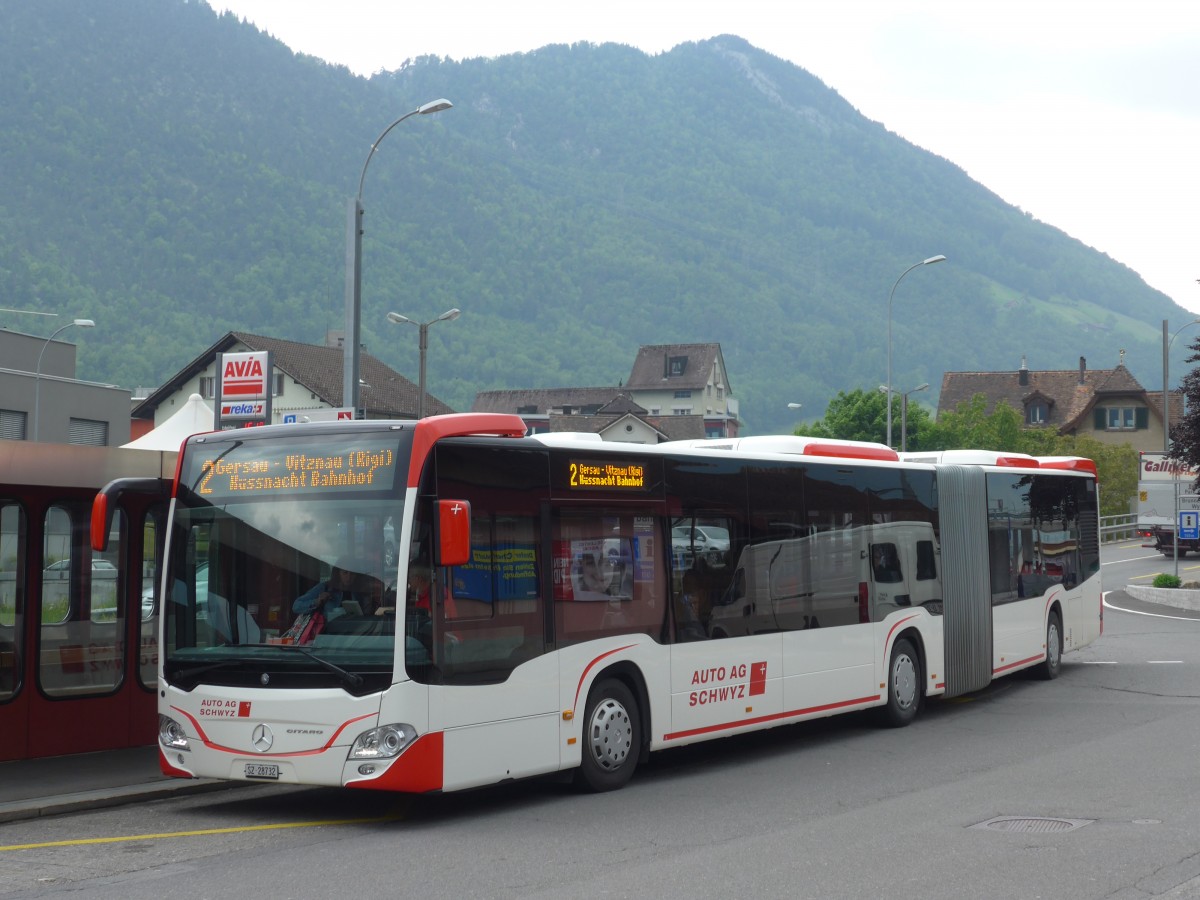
<point>175,174</point>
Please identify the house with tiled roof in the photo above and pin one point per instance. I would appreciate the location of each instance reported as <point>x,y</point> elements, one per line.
<point>1109,405</point>
<point>674,391</point>
<point>305,377</point>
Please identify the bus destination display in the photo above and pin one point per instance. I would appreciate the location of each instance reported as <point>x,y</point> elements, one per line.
<point>592,475</point>
<point>245,470</point>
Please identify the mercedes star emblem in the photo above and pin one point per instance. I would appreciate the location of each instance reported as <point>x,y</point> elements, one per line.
<point>262,738</point>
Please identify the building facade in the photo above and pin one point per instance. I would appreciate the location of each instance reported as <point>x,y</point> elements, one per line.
<point>42,400</point>
<point>305,378</point>
<point>674,392</point>
<point>1108,405</point>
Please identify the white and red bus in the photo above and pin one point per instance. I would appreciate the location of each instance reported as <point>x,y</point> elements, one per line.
<point>574,623</point>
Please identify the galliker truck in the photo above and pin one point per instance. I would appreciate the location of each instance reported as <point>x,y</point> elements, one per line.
<point>1165,489</point>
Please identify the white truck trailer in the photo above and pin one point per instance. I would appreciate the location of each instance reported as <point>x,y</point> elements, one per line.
<point>1165,488</point>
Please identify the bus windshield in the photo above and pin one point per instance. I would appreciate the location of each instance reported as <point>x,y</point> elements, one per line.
<point>282,560</point>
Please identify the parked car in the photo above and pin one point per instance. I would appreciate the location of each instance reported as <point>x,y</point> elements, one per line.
<point>700,542</point>
<point>61,570</point>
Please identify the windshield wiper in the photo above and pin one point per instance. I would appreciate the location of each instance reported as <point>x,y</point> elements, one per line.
<point>348,678</point>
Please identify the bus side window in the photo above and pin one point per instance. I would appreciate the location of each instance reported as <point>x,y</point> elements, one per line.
<point>926,561</point>
<point>493,619</point>
<point>609,576</point>
<point>885,564</point>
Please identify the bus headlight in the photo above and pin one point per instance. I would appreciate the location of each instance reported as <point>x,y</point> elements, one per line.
<point>170,734</point>
<point>383,742</point>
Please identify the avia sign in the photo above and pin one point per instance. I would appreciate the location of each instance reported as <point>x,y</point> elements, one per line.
<point>243,390</point>
<point>244,376</point>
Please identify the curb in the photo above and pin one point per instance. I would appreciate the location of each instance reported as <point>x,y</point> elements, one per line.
<point>40,807</point>
<point>1176,597</point>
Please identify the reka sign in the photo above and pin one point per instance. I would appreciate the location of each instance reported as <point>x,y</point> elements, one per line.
<point>244,376</point>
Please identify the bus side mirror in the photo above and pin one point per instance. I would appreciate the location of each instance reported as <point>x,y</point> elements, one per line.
<point>105,503</point>
<point>454,533</point>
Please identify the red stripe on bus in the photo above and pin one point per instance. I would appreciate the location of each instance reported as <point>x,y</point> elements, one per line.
<point>589,667</point>
<point>1019,662</point>
<point>204,739</point>
<point>774,717</point>
<point>892,630</point>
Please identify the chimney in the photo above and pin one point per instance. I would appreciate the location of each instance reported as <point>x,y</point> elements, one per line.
<point>1083,370</point>
<point>1023,373</point>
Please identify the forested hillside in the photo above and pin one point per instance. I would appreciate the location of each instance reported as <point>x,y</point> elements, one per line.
<point>175,174</point>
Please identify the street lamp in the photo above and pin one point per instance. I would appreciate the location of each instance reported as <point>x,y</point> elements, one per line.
<point>350,350</point>
<point>1166,390</point>
<point>795,405</point>
<point>925,262</point>
<point>424,326</point>
<point>904,414</point>
<point>37,378</point>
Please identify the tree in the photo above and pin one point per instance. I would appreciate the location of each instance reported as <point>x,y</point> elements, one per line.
<point>1185,434</point>
<point>855,416</point>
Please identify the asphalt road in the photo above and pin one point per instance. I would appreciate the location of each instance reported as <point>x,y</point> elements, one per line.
<point>1128,562</point>
<point>1084,787</point>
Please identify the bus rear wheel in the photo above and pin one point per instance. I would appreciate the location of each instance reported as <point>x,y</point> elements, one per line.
<point>903,685</point>
<point>1052,665</point>
<point>611,737</point>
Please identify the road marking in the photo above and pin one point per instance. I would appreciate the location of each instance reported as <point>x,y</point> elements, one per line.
<point>1097,662</point>
<point>199,833</point>
<point>1138,612</point>
<point>1113,562</point>
<point>1165,662</point>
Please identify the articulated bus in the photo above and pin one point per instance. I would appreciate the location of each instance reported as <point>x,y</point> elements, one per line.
<point>574,624</point>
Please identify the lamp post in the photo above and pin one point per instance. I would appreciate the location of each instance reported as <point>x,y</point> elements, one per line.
<point>424,326</point>
<point>925,262</point>
<point>350,342</point>
<point>37,378</point>
<point>904,414</point>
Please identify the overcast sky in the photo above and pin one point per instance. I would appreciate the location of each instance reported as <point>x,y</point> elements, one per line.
<point>1084,114</point>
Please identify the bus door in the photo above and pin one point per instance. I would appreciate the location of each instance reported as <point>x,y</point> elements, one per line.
<point>493,688</point>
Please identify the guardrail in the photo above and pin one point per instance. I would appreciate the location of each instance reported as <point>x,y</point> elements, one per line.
<point>1118,528</point>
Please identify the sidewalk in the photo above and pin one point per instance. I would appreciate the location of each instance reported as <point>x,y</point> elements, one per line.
<point>31,788</point>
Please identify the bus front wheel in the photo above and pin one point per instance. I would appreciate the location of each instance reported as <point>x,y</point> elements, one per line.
<point>611,737</point>
<point>903,685</point>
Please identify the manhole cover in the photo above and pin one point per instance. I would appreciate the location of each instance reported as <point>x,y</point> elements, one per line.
<point>1032,824</point>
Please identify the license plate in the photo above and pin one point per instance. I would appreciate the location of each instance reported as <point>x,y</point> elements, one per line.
<point>262,770</point>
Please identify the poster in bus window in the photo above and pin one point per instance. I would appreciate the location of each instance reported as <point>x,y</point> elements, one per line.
<point>587,569</point>
<point>506,572</point>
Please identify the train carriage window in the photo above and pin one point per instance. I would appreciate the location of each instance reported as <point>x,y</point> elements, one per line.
<point>81,646</point>
<point>12,598</point>
<point>153,536</point>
